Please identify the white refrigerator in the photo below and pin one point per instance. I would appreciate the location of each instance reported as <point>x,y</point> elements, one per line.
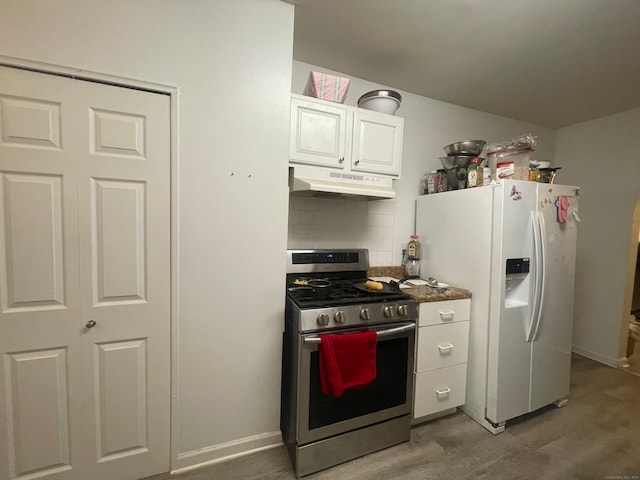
<point>513,246</point>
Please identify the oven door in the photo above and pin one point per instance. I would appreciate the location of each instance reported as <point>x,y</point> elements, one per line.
<point>388,396</point>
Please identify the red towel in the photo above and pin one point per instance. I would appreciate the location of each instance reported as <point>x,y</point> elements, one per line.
<point>347,360</point>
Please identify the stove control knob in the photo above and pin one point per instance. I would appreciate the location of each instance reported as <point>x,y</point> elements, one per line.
<point>339,317</point>
<point>388,311</point>
<point>365,314</point>
<point>402,310</point>
<point>323,319</point>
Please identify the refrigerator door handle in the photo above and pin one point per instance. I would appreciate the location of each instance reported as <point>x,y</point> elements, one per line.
<point>542,230</point>
<point>537,277</point>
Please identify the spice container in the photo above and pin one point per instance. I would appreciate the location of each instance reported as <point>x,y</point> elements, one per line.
<point>431,182</point>
<point>437,181</point>
<point>473,179</point>
<point>486,175</point>
<point>424,184</point>
<point>413,248</point>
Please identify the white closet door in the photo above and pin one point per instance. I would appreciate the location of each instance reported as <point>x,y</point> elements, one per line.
<point>40,378</point>
<point>78,402</point>
<point>123,204</point>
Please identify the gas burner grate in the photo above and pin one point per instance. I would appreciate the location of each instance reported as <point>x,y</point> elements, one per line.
<point>338,297</point>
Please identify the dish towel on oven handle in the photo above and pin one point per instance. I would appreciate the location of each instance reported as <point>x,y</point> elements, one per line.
<point>347,360</point>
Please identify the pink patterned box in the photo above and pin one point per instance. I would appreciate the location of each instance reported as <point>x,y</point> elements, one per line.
<point>327,87</point>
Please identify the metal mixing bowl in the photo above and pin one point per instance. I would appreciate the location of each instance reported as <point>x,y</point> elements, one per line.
<point>384,101</point>
<point>465,147</point>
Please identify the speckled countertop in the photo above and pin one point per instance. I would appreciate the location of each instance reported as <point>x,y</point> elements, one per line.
<point>422,293</point>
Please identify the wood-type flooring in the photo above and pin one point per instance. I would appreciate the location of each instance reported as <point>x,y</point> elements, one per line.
<point>596,436</point>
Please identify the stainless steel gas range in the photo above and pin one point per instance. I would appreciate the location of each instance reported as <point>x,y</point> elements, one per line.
<point>325,295</point>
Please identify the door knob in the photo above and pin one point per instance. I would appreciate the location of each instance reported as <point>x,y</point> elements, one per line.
<point>91,323</point>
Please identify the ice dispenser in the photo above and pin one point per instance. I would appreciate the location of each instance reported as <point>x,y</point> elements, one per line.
<point>516,289</point>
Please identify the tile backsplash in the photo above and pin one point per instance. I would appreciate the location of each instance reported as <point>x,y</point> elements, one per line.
<point>317,222</point>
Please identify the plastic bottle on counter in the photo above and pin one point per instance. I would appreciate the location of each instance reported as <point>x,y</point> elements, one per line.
<point>412,268</point>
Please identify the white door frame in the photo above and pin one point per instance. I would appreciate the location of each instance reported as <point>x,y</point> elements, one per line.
<point>172,91</point>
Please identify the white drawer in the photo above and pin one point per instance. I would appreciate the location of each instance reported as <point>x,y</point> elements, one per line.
<point>439,390</point>
<point>446,311</point>
<point>442,345</point>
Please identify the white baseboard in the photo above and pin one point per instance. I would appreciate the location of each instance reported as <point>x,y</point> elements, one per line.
<point>612,362</point>
<point>225,451</point>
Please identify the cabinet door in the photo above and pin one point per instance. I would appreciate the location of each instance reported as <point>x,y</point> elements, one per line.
<point>318,133</point>
<point>377,143</point>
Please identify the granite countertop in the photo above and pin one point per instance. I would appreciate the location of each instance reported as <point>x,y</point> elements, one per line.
<point>421,293</point>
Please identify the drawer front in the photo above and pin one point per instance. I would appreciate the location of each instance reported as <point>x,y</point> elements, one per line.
<point>442,346</point>
<point>439,390</point>
<point>447,311</point>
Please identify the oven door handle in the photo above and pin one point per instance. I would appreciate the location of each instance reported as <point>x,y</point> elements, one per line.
<point>381,333</point>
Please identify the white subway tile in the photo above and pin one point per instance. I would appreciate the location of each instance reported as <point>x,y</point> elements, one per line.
<point>384,258</point>
<point>306,218</point>
<point>385,232</point>
<point>387,220</point>
<point>375,220</point>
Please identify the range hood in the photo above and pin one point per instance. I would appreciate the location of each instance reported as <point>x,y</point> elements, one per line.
<point>323,181</point>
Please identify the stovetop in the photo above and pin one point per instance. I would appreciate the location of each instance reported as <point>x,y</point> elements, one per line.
<point>342,292</point>
<point>343,305</point>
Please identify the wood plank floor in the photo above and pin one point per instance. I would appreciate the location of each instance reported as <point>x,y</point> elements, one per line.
<point>596,436</point>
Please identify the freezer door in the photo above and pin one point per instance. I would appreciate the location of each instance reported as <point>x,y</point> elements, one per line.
<point>551,352</point>
<point>513,297</point>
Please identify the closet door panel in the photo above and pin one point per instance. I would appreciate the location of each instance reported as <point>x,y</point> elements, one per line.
<point>124,226</point>
<point>41,412</point>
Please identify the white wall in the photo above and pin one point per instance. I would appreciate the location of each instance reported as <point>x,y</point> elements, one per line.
<point>601,156</point>
<point>429,126</point>
<point>231,61</point>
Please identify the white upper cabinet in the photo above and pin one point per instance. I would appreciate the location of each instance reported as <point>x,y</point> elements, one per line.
<point>377,142</point>
<point>340,136</point>
<point>318,132</point>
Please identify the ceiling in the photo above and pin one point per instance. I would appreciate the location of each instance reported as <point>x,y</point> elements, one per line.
<point>548,62</point>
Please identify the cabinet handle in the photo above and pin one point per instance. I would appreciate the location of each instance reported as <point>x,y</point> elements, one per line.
<point>341,160</point>
<point>442,393</point>
<point>357,162</point>
<point>445,349</point>
<point>446,314</point>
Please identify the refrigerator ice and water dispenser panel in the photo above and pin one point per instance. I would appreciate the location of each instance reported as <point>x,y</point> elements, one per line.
<point>517,267</point>
<point>517,291</point>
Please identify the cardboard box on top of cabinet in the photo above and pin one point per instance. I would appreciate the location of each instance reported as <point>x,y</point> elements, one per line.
<point>326,87</point>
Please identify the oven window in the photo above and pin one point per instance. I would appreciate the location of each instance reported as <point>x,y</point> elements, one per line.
<point>389,389</point>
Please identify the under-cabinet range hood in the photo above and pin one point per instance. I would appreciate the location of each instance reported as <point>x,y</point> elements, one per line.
<point>322,181</point>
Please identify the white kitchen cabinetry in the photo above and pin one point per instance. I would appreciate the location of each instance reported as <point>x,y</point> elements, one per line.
<point>441,360</point>
<point>340,136</point>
